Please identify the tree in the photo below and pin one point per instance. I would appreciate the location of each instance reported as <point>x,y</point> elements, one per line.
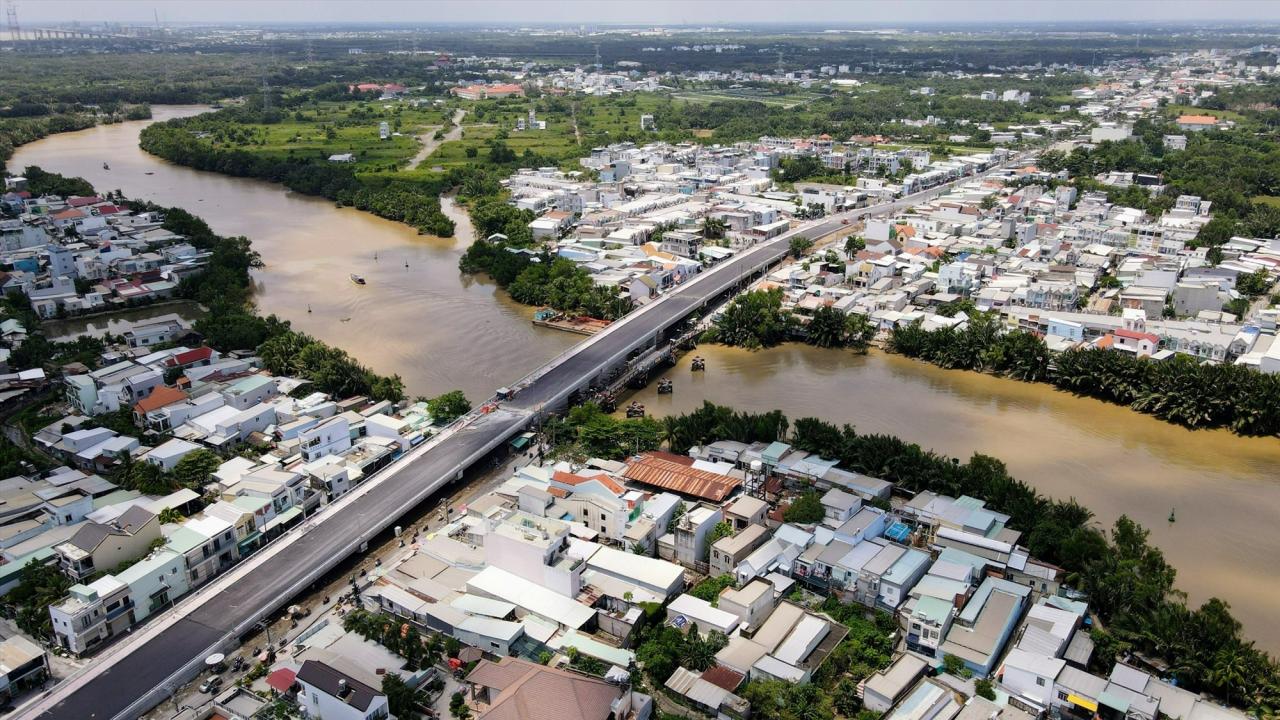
<point>458,707</point>
<point>983,688</point>
<point>714,228</point>
<point>859,331</point>
<point>853,245</point>
<point>448,407</point>
<point>988,202</point>
<point>826,328</point>
<point>170,515</point>
<point>39,586</point>
<point>403,701</point>
<point>719,531</point>
<point>753,320</point>
<point>799,245</point>
<point>195,468</point>
<point>709,588</point>
<point>805,509</point>
<point>954,665</point>
<point>1254,284</point>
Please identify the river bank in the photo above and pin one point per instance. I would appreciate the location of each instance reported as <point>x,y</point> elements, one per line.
<point>441,330</point>
<point>418,316</point>
<point>1111,459</point>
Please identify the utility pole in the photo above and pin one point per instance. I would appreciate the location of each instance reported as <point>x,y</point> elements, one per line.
<point>11,14</point>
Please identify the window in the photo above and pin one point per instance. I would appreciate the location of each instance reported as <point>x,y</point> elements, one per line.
<point>1040,681</point>
<point>1062,695</point>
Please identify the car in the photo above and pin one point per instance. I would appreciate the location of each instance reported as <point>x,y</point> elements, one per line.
<point>844,221</point>
<point>211,684</point>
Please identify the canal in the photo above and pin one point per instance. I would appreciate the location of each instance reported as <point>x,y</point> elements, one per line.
<point>1111,459</point>
<point>441,330</point>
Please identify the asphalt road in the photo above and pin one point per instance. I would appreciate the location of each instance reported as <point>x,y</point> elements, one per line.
<point>142,676</point>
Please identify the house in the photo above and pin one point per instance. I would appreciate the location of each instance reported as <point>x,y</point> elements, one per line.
<point>980,631</point>
<point>155,331</point>
<point>745,510</point>
<point>331,437</point>
<point>91,614</point>
<point>167,455</point>
<point>99,547</point>
<point>687,611</point>
<point>884,689</point>
<point>23,665</point>
<point>752,604</point>
<point>208,546</point>
<point>689,541</point>
<point>326,693</point>
<point>729,552</point>
<point>515,689</point>
<point>1197,123</point>
<point>838,506</point>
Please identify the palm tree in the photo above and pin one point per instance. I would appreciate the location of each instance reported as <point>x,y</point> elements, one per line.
<point>714,228</point>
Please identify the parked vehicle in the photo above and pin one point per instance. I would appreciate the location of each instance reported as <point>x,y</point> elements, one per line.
<point>212,684</point>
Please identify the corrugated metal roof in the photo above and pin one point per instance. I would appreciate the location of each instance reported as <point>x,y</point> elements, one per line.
<point>652,469</point>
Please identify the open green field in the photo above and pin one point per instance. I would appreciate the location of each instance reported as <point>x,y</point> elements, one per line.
<point>1176,110</point>
<point>599,121</point>
<point>788,100</point>
<point>330,128</point>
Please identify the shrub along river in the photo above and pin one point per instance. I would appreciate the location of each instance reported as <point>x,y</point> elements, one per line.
<point>420,317</point>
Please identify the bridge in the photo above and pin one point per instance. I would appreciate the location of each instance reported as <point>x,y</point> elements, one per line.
<point>142,671</point>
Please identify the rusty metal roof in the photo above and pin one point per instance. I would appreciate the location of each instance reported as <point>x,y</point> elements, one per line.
<point>656,469</point>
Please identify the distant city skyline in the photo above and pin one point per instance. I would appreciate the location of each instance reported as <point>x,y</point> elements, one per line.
<point>656,12</point>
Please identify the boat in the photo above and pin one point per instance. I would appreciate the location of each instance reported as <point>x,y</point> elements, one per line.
<point>635,410</point>
<point>106,166</point>
<point>1171,516</point>
<point>148,173</point>
<point>357,279</point>
<point>698,364</point>
<point>665,387</point>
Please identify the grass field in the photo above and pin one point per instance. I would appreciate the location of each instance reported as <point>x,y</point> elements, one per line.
<point>789,100</point>
<point>600,121</point>
<point>1176,110</point>
<point>324,129</point>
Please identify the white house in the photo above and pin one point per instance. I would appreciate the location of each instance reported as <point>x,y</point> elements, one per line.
<point>329,694</point>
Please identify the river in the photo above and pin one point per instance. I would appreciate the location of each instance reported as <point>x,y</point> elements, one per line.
<point>1225,541</point>
<point>417,316</point>
<point>440,330</point>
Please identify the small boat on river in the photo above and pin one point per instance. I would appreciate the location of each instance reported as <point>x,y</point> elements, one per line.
<point>357,279</point>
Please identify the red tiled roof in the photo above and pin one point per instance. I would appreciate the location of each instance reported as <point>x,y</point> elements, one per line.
<point>159,398</point>
<point>665,471</point>
<point>76,202</point>
<point>190,356</point>
<point>1135,335</point>
<point>572,479</point>
<point>282,680</point>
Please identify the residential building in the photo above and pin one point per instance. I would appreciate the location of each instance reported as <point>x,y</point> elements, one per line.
<point>96,548</point>
<point>326,693</point>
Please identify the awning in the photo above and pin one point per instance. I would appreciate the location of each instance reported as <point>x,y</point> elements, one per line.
<point>1085,703</point>
<point>520,442</point>
<point>249,539</point>
<point>282,519</point>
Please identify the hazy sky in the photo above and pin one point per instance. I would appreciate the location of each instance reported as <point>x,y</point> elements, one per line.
<point>647,11</point>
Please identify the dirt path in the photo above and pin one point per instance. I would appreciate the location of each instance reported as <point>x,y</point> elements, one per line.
<point>430,143</point>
